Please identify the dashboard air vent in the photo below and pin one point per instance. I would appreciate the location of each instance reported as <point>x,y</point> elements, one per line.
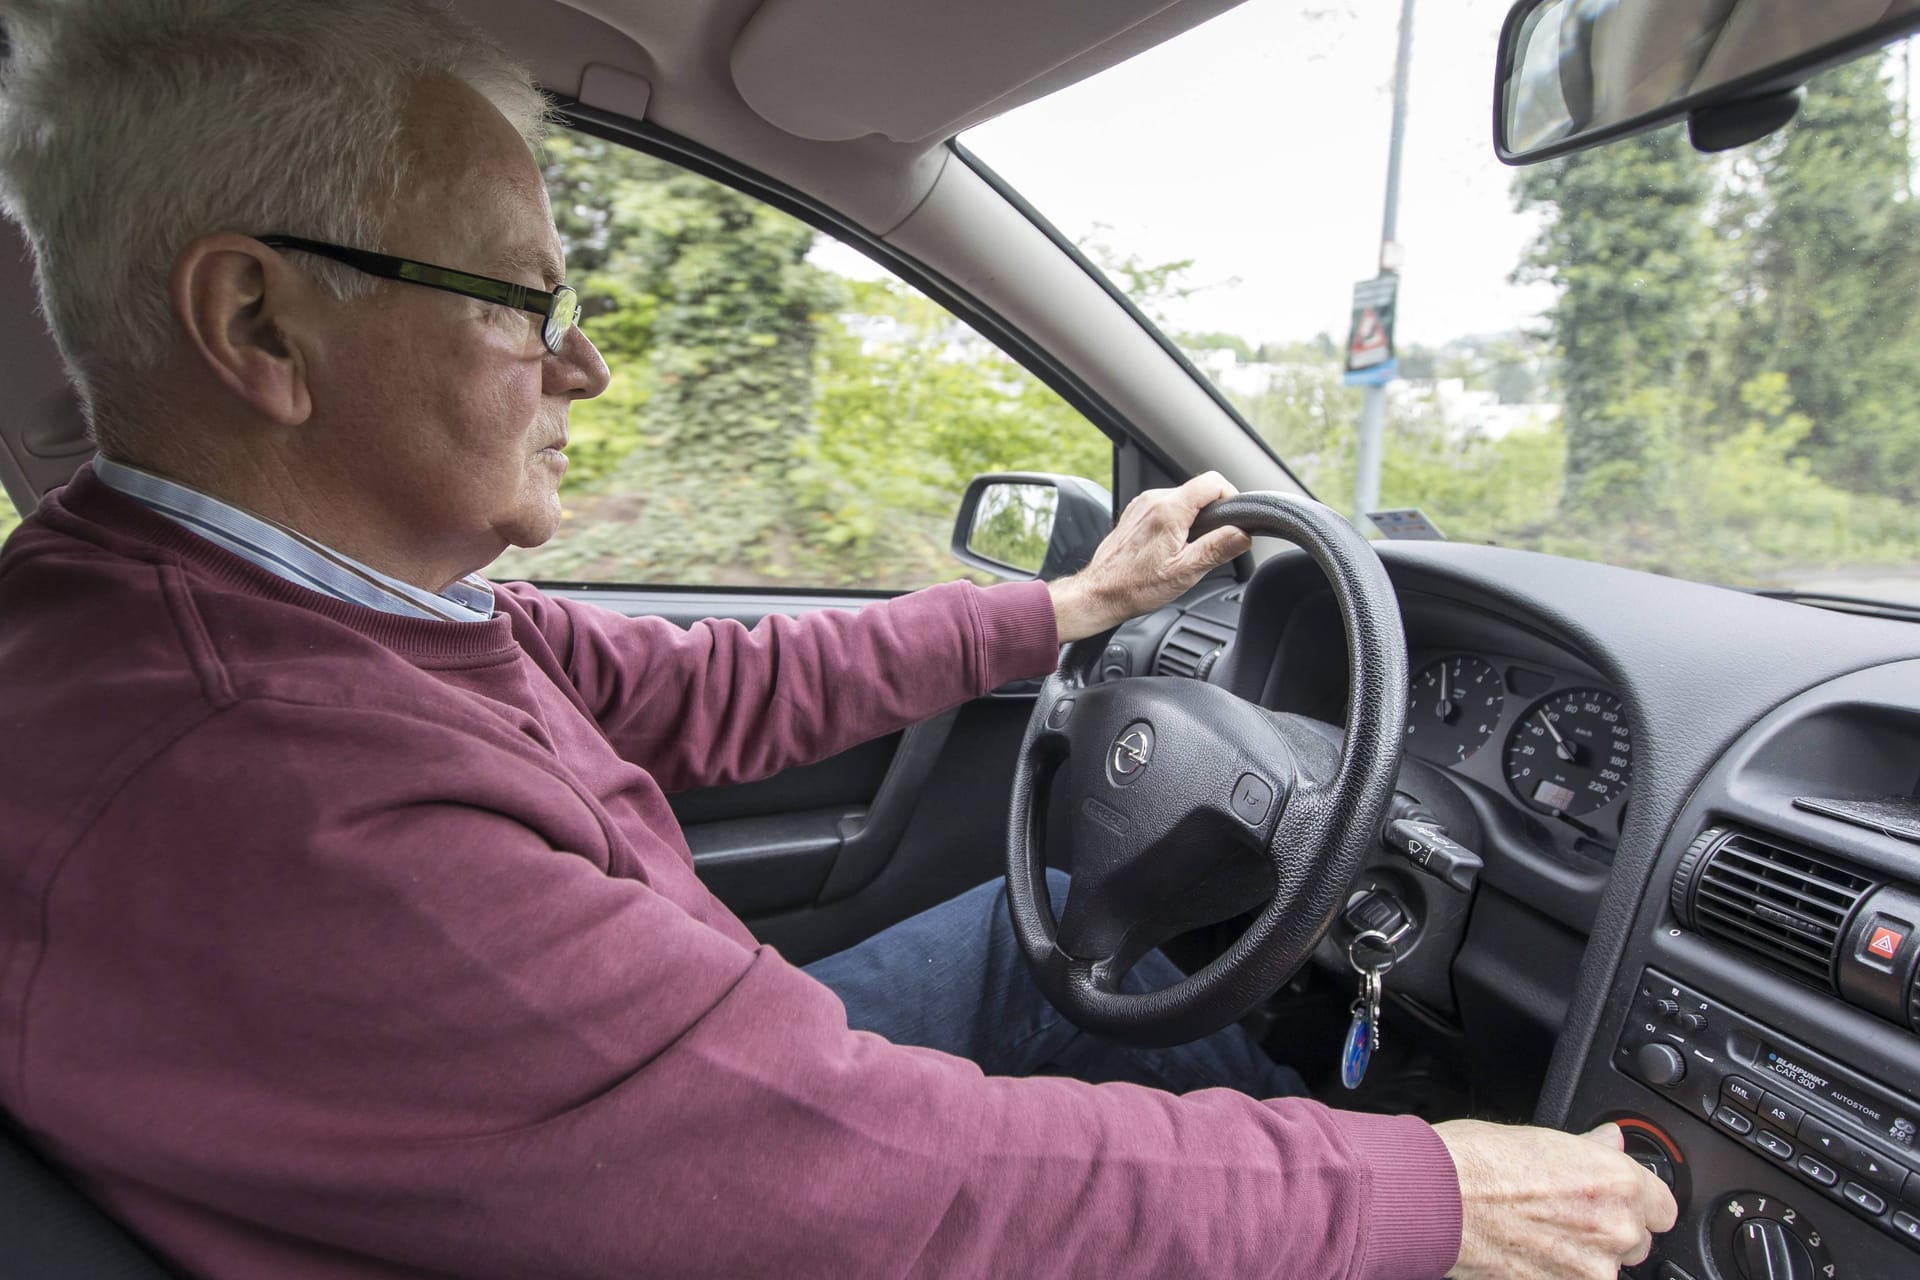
<point>1187,652</point>
<point>1789,905</point>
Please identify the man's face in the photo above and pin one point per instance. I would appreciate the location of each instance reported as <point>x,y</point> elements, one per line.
<point>445,416</point>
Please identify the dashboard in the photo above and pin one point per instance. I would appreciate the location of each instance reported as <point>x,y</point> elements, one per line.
<point>1699,912</point>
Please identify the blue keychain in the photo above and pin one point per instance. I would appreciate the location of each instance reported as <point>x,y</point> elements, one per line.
<point>1363,1035</point>
<point>1358,1049</point>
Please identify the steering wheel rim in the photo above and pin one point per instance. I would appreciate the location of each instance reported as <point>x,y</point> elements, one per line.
<point>1323,811</point>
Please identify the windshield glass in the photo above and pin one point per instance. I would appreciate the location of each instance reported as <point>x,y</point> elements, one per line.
<point>1707,366</point>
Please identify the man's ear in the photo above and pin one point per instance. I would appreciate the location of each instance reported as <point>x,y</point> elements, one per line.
<point>246,313</point>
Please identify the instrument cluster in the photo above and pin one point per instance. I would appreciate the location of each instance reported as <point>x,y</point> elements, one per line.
<point>1558,744</point>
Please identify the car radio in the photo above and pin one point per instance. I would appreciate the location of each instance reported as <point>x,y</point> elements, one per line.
<point>1853,1140</point>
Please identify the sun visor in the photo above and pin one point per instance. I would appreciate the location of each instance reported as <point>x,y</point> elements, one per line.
<point>919,70</point>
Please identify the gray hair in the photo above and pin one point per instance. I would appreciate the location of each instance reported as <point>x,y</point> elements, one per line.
<point>130,127</point>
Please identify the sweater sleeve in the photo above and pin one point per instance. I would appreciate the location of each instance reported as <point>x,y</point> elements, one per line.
<point>719,703</point>
<point>381,1017</point>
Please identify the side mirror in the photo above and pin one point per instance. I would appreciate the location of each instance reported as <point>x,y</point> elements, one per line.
<point>1026,524</point>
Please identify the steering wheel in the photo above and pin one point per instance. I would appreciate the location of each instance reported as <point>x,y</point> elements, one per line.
<point>1184,805</point>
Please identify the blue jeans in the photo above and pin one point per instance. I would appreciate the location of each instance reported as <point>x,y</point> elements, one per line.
<point>952,978</point>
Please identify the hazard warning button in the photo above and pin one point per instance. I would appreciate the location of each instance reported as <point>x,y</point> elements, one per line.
<point>1881,943</point>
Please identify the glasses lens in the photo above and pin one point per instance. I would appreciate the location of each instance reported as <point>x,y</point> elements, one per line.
<point>561,316</point>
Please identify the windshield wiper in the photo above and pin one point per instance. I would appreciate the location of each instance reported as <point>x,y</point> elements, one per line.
<point>1894,609</point>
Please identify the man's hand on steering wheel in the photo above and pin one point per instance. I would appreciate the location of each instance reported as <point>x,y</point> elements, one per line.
<point>1147,562</point>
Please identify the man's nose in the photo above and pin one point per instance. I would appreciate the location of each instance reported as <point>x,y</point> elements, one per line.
<point>576,371</point>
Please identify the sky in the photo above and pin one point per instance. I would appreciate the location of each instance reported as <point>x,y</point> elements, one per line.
<point>1256,144</point>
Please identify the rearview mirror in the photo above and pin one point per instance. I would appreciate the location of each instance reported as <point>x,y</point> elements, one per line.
<point>1025,524</point>
<point>1575,73</point>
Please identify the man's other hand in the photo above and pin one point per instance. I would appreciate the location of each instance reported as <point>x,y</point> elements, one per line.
<point>1146,562</point>
<point>1538,1204</point>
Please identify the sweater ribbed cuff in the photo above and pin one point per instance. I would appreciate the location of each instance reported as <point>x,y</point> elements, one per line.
<point>1413,1222</point>
<point>1022,635</point>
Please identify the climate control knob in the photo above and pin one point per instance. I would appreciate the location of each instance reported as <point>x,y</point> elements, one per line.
<point>1761,1237</point>
<point>1660,1064</point>
<point>1765,1250</point>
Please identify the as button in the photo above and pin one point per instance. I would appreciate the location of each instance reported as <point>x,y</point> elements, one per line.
<point>1783,1113</point>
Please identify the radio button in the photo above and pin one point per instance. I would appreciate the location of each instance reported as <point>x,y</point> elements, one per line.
<point>1783,1113</point>
<point>1876,1170</point>
<point>1773,1144</point>
<point>1861,1198</point>
<point>1816,1170</point>
<point>1743,1092</point>
<point>1825,1139</point>
<point>1732,1121</point>
<point>1906,1224</point>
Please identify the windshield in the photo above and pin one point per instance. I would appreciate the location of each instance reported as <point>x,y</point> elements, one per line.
<point>1706,366</point>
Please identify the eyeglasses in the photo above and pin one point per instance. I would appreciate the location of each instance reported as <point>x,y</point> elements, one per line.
<point>561,308</point>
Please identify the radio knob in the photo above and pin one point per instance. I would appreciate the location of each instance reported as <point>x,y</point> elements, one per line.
<point>1693,1023</point>
<point>1660,1064</point>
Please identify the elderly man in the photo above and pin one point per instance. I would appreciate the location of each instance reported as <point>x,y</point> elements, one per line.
<point>346,929</point>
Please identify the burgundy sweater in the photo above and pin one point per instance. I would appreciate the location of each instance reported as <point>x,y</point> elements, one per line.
<point>334,943</point>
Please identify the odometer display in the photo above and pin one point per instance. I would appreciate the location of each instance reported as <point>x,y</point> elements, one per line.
<point>1571,753</point>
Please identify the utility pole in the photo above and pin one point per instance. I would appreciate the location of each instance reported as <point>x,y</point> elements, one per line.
<point>1373,410</point>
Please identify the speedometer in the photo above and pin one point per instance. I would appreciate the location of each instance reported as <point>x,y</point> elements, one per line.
<point>1571,753</point>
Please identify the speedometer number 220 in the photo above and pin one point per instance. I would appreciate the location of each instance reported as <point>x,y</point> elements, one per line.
<point>1571,753</point>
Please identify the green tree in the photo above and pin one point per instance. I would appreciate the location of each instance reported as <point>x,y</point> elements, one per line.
<point>704,305</point>
<point>1625,240</point>
<point>910,405</point>
<point>768,421</point>
<point>1833,248</point>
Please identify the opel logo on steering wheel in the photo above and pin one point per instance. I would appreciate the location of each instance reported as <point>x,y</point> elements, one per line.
<point>1131,751</point>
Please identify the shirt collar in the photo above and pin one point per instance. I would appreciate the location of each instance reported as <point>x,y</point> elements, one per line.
<point>290,554</point>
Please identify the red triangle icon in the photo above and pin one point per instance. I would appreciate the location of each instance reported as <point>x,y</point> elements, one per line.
<point>1885,942</point>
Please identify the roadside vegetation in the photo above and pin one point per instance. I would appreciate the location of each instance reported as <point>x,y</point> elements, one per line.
<point>1729,377</point>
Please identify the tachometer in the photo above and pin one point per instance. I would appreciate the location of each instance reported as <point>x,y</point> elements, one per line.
<point>1571,753</point>
<point>1452,708</point>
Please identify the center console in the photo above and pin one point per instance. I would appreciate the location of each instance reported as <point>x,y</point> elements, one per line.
<point>1761,1051</point>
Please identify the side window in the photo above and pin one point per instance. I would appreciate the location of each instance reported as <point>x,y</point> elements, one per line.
<point>9,517</point>
<point>780,412</point>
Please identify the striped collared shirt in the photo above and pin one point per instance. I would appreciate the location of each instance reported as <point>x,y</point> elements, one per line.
<point>292,555</point>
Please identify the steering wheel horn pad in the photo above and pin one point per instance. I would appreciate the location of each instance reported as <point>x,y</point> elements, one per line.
<point>1150,770</point>
<point>1183,805</point>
